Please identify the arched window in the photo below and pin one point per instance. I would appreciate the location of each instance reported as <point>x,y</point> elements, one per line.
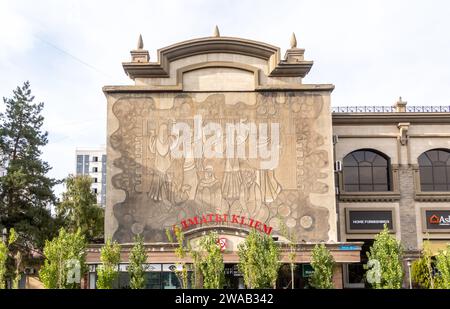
<point>434,168</point>
<point>366,170</point>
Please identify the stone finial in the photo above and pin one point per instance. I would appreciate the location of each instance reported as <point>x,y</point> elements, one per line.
<point>140,54</point>
<point>140,44</point>
<point>293,41</point>
<point>294,54</point>
<point>400,106</point>
<point>216,32</point>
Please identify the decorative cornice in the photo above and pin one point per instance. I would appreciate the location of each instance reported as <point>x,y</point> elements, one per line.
<point>179,88</point>
<point>168,247</point>
<point>369,196</point>
<point>432,196</point>
<point>389,118</point>
<point>267,52</point>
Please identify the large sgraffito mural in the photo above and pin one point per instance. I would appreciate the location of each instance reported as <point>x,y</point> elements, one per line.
<point>279,161</point>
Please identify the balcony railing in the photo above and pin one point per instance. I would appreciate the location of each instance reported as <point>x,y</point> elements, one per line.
<point>391,109</point>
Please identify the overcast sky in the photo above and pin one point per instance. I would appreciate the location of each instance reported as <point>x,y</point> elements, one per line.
<point>372,51</point>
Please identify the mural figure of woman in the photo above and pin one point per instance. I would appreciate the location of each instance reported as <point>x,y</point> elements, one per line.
<point>160,146</point>
<point>209,194</point>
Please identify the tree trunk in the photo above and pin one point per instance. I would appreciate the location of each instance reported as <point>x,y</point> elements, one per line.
<point>292,275</point>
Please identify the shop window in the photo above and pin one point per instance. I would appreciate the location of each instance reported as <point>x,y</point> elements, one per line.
<point>92,280</point>
<point>170,280</point>
<point>434,166</point>
<point>122,281</point>
<point>153,280</point>
<point>366,171</point>
<point>355,274</point>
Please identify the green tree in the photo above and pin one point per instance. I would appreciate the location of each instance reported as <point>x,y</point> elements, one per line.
<point>443,268</point>
<point>138,257</point>
<point>211,262</point>
<point>259,263</point>
<point>422,269</point>
<point>25,191</point>
<point>65,261</point>
<point>386,253</point>
<point>181,252</point>
<point>197,275</point>
<point>79,209</point>
<point>110,258</point>
<point>323,264</point>
<point>291,237</point>
<point>4,254</point>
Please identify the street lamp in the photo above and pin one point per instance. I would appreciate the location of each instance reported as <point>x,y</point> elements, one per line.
<point>408,263</point>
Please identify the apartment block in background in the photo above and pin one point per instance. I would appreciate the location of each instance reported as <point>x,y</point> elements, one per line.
<point>92,162</point>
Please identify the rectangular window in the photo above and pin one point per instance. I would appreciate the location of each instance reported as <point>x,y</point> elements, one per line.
<point>86,164</point>
<point>95,180</point>
<point>95,159</point>
<point>94,190</point>
<point>153,280</point>
<point>92,280</point>
<point>95,169</point>
<point>170,280</point>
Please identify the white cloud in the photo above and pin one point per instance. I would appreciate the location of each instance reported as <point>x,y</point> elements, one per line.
<point>15,33</point>
<point>373,51</point>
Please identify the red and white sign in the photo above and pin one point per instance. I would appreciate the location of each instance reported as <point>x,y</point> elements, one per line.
<point>222,242</point>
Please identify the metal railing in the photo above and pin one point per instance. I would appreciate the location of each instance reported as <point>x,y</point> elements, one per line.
<point>390,109</point>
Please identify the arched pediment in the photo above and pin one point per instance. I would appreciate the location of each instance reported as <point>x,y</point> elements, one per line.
<point>292,66</point>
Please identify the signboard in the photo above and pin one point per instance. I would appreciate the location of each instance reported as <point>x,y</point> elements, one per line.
<point>368,221</point>
<point>307,270</point>
<point>436,220</point>
<point>222,242</point>
<point>348,248</point>
<point>224,219</point>
<point>153,267</point>
<point>171,267</point>
<point>232,270</point>
<point>123,267</point>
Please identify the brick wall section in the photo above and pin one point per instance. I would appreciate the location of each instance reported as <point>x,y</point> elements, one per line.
<point>337,277</point>
<point>408,230</point>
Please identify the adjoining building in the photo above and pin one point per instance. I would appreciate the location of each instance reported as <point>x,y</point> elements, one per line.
<point>220,133</point>
<point>92,162</point>
<point>396,170</point>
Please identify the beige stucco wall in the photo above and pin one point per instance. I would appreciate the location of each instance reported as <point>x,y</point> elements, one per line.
<point>385,137</point>
<point>244,82</point>
<point>218,79</point>
<point>303,199</point>
<point>236,59</point>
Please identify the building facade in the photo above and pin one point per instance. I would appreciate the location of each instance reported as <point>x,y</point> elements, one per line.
<point>395,169</point>
<point>92,162</point>
<point>221,134</point>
